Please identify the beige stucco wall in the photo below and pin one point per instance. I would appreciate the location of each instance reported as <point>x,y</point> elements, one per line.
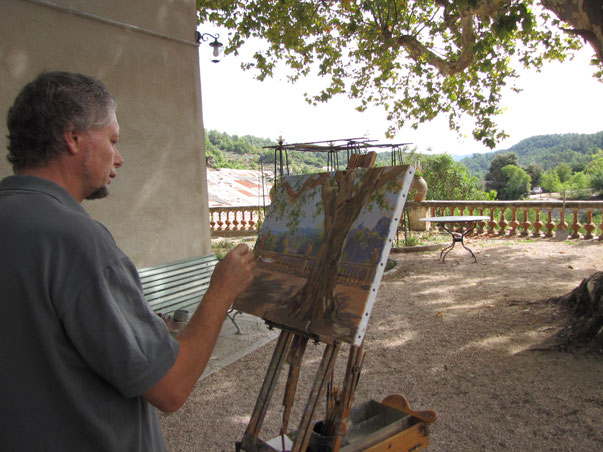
<point>157,210</point>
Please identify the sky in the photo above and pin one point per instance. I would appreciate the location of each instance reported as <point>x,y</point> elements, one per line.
<point>562,98</point>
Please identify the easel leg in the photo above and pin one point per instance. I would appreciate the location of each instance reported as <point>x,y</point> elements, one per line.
<point>322,375</point>
<point>296,353</point>
<point>261,405</point>
<point>352,374</point>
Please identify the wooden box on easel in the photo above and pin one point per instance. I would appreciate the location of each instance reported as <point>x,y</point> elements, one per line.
<point>377,427</point>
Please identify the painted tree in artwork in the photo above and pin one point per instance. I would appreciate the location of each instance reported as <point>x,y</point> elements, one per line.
<point>343,195</point>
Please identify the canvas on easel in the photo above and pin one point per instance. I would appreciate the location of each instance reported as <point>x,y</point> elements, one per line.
<point>322,249</point>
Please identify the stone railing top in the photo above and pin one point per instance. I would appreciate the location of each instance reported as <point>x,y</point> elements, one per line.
<point>235,208</point>
<point>515,203</point>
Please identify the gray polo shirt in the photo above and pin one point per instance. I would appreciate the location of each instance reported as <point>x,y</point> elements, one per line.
<point>78,342</point>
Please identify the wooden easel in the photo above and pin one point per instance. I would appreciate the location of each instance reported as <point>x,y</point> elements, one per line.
<point>290,348</point>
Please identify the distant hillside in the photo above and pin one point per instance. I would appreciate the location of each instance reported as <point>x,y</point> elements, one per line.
<point>547,151</point>
<point>245,152</point>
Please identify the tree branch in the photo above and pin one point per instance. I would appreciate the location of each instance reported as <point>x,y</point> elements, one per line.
<point>418,50</point>
<point>310,182</point>
<point>464,21</point>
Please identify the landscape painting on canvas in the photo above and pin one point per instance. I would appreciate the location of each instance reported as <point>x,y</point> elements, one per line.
<point>322,248</point>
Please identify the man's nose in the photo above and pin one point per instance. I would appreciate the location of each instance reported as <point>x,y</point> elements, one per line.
<point>118,160</point>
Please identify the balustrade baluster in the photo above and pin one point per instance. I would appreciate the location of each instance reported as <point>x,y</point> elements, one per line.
<point>436,211</point>
<point>243,221</point>
<point>550,224</point>
<point>525,225</point>
<point>502,223</point>
<point>235,221</point>
<point>514,223</point>
<point>252,223</point>
<point>455,226</point>
<point>493,223</point>
<point>471,211</point>
<point>576,226</point>
<point>589,227</point>
<point>481,224</point>
<point>447,211</point>
<point>538,224</point>
<point>212,223</point>
<point>220,222</point>
<point>562,226</point>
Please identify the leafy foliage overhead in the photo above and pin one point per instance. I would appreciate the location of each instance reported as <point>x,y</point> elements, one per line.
<point>415,58</point>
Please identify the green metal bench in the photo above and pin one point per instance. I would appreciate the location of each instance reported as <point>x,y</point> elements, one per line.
<point>180,285</point>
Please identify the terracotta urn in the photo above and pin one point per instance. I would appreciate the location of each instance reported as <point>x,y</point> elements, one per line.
<point>420,186</point>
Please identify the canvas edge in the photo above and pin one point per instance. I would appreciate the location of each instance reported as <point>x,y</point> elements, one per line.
<point>361,330</point>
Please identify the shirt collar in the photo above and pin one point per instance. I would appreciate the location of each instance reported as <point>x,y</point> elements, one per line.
<point>41,185</point>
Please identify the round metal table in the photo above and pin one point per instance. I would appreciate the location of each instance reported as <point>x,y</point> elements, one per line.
<point>466,225</point>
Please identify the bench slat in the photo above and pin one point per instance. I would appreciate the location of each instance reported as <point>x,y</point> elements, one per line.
<point>175,281</point>
<point>206,267</point>
<point>179,285</point>
<point>192,265</point>
<point>176,294</point>
<point>166,305</point>
<point>170,286</point>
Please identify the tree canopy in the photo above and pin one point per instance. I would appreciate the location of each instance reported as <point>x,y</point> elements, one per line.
<point>495,178</point>
<point>517,185</point>
<point>535,172</point>
<point>415,58</point>
<point>448,179</point>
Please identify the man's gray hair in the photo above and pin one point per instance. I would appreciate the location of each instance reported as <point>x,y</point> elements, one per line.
<point>49,106</point>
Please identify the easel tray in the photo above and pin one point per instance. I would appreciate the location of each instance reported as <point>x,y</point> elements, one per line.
<point>375,427</point>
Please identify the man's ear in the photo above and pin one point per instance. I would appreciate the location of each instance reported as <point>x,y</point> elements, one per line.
<point>72,141</point>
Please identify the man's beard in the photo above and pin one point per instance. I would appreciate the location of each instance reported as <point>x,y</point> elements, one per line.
<point>99,193</point>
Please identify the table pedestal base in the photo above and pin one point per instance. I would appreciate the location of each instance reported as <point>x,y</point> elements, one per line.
<point>467,224</point>
<point>457,237</point>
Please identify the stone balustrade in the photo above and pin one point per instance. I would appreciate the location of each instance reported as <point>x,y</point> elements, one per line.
<point>527,219</point>
<point>235,221</point>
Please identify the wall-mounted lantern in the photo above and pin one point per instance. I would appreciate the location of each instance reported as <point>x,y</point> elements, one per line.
<point>217,46</point>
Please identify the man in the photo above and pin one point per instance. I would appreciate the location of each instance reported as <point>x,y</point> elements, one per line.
<point>81,353</point>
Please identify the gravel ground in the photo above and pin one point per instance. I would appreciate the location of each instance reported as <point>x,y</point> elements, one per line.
<point>457,338</point>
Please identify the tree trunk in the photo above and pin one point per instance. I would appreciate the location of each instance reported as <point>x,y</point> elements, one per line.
<point>317,300</point>
<point>585,303</point>
<point>342,205</point>
<point>586,18</point>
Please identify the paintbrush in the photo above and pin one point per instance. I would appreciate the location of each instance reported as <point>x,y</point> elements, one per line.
<point>333,410</point>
